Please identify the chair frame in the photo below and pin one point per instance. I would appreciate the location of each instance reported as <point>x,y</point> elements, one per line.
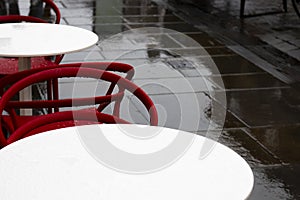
<point>68,71</point>
<point>20,18</point>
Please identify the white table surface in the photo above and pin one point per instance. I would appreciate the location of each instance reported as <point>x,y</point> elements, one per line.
<point>60,164</point>
<point>43,39</point>
<point>26,40</point>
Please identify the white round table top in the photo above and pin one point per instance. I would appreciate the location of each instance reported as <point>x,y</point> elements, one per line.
<point>43,39</point>
<point>72,163</point>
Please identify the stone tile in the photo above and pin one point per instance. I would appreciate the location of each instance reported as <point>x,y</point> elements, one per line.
<point>179,27</point>
<point>199,50</point>
<point>200,39</point>
<point>83,56</point>
<point>189,111</point>
<point>276,182</point>
<point>78,12</point>
<point>151,19</point>
<point>263,58</point>
<point>252,81</point>
<point>265,107</point>
<point>94,20</point>
<point>150,10</point>
<point>109,29</point>
<point>219,51</point>
<point>239,141</point>
<point>138,3</point>
<point>125,54</point>
<point>296,42</point>
<point>132,110</point>
<point>190,66</point>
<point>284,46</point>
<point>270,39</point>
<point>183,28</point>
<point>153,70</point>
<point>159,41</point>
<point>78,4</point>
<point>232,122</point>
<point>175,85</point>
<point>294,53</point>
<point>233,64</point>
<point>225,123</point>
<point>281,140</point>
<point>78,20</point>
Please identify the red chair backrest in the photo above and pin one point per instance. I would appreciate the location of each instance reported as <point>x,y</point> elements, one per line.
<point>24,18</point>
<point>20,18</point>
<point>69,71</point>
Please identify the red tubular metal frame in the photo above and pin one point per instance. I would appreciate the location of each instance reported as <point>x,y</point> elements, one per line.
<point>71,71</point>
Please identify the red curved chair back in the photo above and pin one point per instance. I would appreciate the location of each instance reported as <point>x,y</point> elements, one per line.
<point>25,18</point>
<point>118,67</point>
<point>20,18</point>
<point>68,71</point>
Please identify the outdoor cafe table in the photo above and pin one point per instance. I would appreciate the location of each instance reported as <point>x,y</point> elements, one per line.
<point>26,40</point>
<point>99,162</point>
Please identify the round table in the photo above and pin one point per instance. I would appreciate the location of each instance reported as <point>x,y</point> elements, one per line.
<point>26,40</point>
<point>64,164</point>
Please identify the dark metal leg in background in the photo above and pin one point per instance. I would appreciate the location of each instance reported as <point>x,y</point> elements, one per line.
<point>36,8</point>
<point>284,2</point>
<point>14,7</point>
<point>242,8</point>
<point>3,10</point>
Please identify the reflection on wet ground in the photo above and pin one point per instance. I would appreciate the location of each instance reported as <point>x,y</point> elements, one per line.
<point>182,68</point>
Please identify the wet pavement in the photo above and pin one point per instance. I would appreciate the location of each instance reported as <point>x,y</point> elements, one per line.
<point>190,60</point>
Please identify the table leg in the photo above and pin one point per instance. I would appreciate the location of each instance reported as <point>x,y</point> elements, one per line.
<point>24,63</point>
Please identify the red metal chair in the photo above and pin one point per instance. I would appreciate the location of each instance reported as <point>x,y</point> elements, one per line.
<point>48,3</point>
<point>120,68</point>
<point>10,65</point>
<point>36,124</point>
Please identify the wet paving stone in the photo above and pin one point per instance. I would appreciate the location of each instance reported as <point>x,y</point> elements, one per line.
<point>79,12</point>
<point>283,141</point>
<point>232,64</point>
<point>276,182</point>
<point>78,20</point>
<point>167,85</point>
<point>219,50</point>
<point>253,81</point>
<point>79,4</point>
<point>88,55</point>
<point>95,20</point>
<point>265,107</point>
<point>150,10</point>
<point>202,38</point>
<point>232,122</point>
<point>151,19</point>
<point>239,141</point>
<point>180,27</point>
<point>229,122</point>
<point>104,30</point>
<point>183,111</point>
<point>161,41</point>
<point>204,52</point>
